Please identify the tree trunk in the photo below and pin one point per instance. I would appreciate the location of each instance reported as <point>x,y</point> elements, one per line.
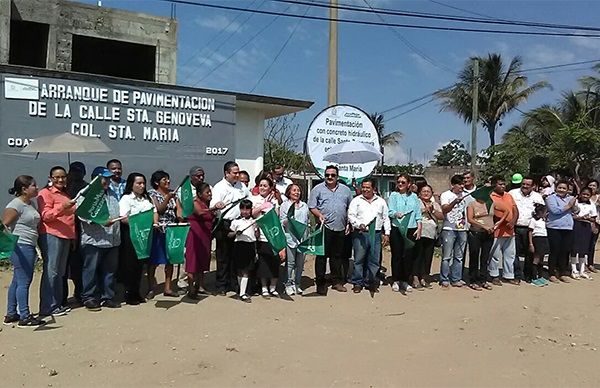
<point>491,128</point>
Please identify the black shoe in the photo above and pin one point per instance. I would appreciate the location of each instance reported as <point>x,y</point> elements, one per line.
<point>140,299</point>
<point>357,289</point>
<point>322,290</point>
<point>132,301</point>
<point>111,304</point>
<point>92,305</point>
<point>30,321</point>
<point>10,319</point>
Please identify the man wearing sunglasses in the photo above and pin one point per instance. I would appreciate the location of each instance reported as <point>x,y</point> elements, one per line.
<point>329,203</point>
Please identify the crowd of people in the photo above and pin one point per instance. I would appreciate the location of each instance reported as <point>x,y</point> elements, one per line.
<point>554,219</point>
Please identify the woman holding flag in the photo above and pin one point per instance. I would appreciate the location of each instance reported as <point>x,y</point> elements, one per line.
<point>163,200</point>
<point>294,218</point>
<point>268,262</point>
<point>135,201</point>
<point>22,217</point>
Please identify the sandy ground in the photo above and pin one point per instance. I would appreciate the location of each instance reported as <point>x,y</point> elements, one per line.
<point>509,336</point>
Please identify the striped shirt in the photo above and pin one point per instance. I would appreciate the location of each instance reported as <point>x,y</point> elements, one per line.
<point>333,204</point>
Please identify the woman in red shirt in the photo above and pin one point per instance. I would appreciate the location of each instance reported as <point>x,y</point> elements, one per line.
<point>57,233</point>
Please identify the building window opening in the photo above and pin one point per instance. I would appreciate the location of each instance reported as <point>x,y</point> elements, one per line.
<point>28,43</point>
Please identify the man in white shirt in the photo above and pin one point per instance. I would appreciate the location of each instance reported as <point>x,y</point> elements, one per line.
<point>525,198</point>
<point>469,181</point>
<point>454,233</point>
<point>365,211</point>
<point>281,182</point>
<point>229,191</point>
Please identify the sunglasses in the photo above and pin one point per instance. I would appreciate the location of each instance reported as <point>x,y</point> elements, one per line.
<point>330,175</point>
<point>402,182</point>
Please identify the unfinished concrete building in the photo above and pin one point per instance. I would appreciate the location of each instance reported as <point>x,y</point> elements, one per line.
<point>68,36</point>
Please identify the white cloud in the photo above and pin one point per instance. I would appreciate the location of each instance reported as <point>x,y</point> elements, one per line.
<point>219,22</point>
<point>541,55</point>
<point>589,45</point>
<point>394,154</point>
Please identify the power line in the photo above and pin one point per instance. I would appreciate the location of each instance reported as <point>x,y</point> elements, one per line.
<point>280,51</point>
<point>217,36</point>
<point>557,66</point>
<point>242,46</point>
<point>372,23</point>
<point>411,46</point>
<point>410,110</point>
<point>415,100</point>
<point>434,16</point>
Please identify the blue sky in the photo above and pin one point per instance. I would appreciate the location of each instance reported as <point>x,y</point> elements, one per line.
<point>377,70</point>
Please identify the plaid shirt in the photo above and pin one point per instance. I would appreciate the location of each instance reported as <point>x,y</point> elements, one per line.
<point>117,189</point>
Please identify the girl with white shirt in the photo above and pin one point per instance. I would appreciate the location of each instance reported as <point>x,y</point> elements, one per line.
<point>582,228</point>
<point>244,229</point>
<point>538,244</point>
<point>268,263</point>
<point>135,200</point>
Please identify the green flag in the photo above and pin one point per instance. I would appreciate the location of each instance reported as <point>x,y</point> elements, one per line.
<point>140,230</point>
<point>176,237</point>
<point>94,207</point>
<point>187,197</point>
<point>296,228</point>
<point>271,226</point>
<point>408,243</point>
<point>314,244</point>
<point>8,242</point>
<point>483,194</point>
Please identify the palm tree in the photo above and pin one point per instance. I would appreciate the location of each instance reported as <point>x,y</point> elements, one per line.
<point>500,91</point>
<point>389,139</point>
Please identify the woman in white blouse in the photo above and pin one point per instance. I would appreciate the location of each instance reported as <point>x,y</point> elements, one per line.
<point>135,200</point>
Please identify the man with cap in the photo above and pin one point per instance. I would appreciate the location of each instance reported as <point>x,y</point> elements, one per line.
<point>525,198</point>
<point>100,250</point>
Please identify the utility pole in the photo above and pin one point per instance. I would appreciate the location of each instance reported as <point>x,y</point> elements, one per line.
<point>475,117</point>
<point>332,89</point>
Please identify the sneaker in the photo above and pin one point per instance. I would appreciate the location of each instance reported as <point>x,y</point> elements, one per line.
<point>246,298</point>
<point>538,283</point>
<point>31,321</point>
<point>584,275</point>
<point>92,305</point>
<point>458,284</point>
<point>445,285</point>
<point>274,293</point>
<point>396,287</point>
<point>404,286</point>
<point>575,275</point>
<point>59,312</point>
<point>111,304</point>
<point>299,290</point>
<point>10,319</point>
<point>290,290</point>
<point>543,280</point>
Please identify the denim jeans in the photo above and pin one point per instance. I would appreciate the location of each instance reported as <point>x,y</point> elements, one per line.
<point>98,274</point>
<point>55,251</point>
<point>295,266</point>
<point>23,261</point>
<point>453,248</point>
<point>503,247</point>
<point>366,253</point>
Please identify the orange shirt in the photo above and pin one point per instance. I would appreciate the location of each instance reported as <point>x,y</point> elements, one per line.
<point>504,205</point>
<point>55,220</point>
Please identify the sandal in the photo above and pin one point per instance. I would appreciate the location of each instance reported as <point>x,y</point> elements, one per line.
<point>274,293</point>
<point>425,284</point>
<point>487,286</point>
<point>170,294</point>
<point>475,287</point>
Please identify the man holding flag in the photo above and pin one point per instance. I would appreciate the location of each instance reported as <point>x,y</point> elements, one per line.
<point>368,215</point>
<point>229,191</point>
<point>98,210</point>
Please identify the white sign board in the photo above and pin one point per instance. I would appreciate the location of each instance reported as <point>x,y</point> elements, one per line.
<point>335,125</point>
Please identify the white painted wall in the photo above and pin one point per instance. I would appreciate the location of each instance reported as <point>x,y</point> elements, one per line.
<point>249,140</point>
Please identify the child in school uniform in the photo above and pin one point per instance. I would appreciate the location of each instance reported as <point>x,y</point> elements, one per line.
<point>582,229</point>
<point>244,247</point>
<point>538,244</point>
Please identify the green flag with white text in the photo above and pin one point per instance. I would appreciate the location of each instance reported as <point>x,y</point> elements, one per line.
<point>8,242</point>
<point>271,226</point>
<point>296,228</point>
<point>314,244</point>
<point>94,207</point>
<point>140,230</point>
<point>176,237</point>
<point>187,197</point>
<point>483,194</point>
<point>408,243</point>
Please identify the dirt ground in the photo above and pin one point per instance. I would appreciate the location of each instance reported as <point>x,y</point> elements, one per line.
<point>509,336</point>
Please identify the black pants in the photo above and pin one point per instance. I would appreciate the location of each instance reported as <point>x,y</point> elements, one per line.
<point>402,257</point>
<point>74,269</point>
<point>423,257</point>
<point>522,247</point>
<point>334,250</point>
<point>225,276</point>
<point>130,267</point>
<point>560,242</point>
<point>592,249</point>
<point>480,246</point>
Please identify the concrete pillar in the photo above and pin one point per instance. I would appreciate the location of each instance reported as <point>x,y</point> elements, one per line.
<point>4,30</point>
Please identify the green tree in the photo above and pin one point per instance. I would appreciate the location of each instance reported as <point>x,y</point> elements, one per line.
<point>500,91</point>
<point>453,154</point>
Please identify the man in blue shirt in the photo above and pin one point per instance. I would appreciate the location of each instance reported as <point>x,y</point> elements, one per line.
<point>329,202</point>
<point>117,183</point>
